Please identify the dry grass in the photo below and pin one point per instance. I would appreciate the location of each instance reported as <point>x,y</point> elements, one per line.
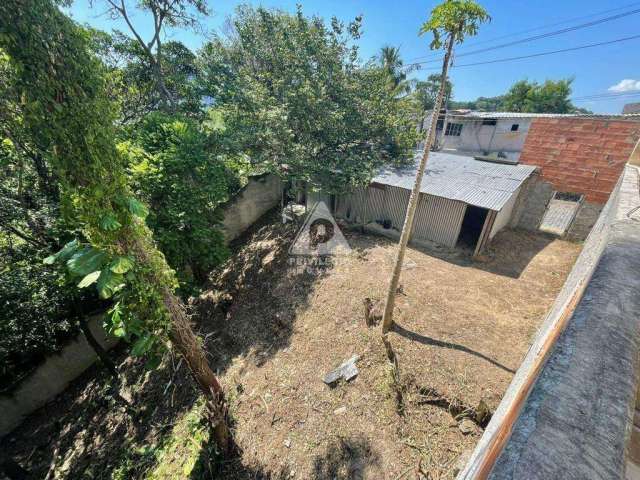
<point>272,333</point>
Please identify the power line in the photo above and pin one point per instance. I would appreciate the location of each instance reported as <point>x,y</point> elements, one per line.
<point>522,57</point>
<point>542,27</point>
<point>544,35</point>
<point>607,96</point>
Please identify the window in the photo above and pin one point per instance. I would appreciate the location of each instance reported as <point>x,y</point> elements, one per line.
<point>490,121</point>
<point>453,129</point>
<point>515,127</point>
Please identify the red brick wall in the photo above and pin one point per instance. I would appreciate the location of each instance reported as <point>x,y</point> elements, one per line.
<point>581,155</point>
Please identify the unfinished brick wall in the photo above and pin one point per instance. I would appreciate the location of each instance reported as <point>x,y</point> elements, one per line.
<point>581,155</point>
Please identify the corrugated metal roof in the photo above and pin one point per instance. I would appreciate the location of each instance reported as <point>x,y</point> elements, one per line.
<point>475,114</point>
<point>483,184</point>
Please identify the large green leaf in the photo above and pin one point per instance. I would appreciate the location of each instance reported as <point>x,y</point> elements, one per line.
<point>86,260</point>
<point>109,283</point>
<point>64,254</point>
<point>109,223</point>
<point>89,279</point>
<point>142,346</point>
<point>137,208</point>
<point>121,265</point>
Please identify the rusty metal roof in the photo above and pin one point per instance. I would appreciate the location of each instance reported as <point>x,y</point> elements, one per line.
<point>456,177</point>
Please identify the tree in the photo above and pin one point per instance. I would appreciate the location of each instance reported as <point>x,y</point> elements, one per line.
<point>483,104</point>
<point>450,23</point>
<point>425,94</point>
<point>532,97</point>
<point>59,88</point>
<point>165,14</point>
<point>393,65</point>
<point>183,178</point>
<point>299,104</point>
<point>133,84</point>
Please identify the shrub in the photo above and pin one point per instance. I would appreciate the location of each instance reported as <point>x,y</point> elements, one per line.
<point>175,169</point>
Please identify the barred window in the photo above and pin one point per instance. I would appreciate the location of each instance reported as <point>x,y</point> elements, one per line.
<point>453,129</point>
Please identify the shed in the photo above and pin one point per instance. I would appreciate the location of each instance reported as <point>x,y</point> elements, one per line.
<point>462,201</point>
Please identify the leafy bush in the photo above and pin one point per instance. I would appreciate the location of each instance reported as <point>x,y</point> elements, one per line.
<point>176,169</point>
<point>37,313</point>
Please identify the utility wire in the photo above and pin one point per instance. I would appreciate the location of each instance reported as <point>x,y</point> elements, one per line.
<point>544,35</point>
<point>534,55</point>
<point>606,96</point>
<point>473,44</point>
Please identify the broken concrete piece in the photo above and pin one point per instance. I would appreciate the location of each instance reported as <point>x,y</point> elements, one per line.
<point>347,371</point>
<point>340,410</point>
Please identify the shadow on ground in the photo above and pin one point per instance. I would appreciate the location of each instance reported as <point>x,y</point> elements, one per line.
<point>517,249</point>
<point>343,459</point>
<point>416,337</point>
<point>86,432</point>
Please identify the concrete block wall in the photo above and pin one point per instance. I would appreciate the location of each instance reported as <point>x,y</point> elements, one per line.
<point>532,202</point>
<point>585,219</point>
<point>581,155</point>
<point>260,195</point>
<point>51,377</point>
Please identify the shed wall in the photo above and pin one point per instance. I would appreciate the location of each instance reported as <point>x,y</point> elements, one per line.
<point>503,218</point>
<point>437,219</point>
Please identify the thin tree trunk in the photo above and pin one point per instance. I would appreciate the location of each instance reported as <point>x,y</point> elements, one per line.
<point>387,319</point>
<point>188,345</point>
<point>101,352</point>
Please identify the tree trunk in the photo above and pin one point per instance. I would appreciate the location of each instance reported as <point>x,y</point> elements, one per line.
<point>101,352</point>
<point>188,345</point>
<point>387,320</point>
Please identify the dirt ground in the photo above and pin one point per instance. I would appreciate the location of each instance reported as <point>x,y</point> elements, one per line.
<point>273,332</point>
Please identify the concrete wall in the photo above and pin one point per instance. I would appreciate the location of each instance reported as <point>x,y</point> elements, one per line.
<point>51,377</point>
<point>476,138</point>
<point>260,195</point>
<point>585,219</point>
<point>534,197</point>
<point>576,417</point>
<point>581,155</point>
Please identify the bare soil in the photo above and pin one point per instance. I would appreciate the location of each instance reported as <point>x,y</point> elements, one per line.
<point>273,332</point>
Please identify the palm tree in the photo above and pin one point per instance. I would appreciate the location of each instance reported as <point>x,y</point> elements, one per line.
<point>394,66</point>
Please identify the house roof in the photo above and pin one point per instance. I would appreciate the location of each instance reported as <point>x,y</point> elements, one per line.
<point>631,108</point>
<point>472,114</point>
<point>456,177</point>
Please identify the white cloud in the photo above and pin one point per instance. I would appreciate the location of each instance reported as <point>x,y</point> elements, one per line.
<point>626,85</point>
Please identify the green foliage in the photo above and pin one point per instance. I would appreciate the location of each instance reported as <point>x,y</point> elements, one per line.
<point>175,168</point>
<point>549,97</point>
<point>297,102</point>
<point>133,84</point>
<point>456,18</point>
<point>425,92</point>
<point>58,90</point>
<point>553,96</point>
<point>392,64</point>
<point>37,310</point>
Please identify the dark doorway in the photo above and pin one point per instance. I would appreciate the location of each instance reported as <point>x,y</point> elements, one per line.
<point>471,228</point>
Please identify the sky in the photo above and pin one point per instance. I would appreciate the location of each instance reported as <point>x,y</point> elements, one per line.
<point>613,68</point>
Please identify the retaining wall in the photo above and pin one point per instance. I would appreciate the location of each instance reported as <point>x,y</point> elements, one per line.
<point>260,195</point>
<point>51,377</point>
